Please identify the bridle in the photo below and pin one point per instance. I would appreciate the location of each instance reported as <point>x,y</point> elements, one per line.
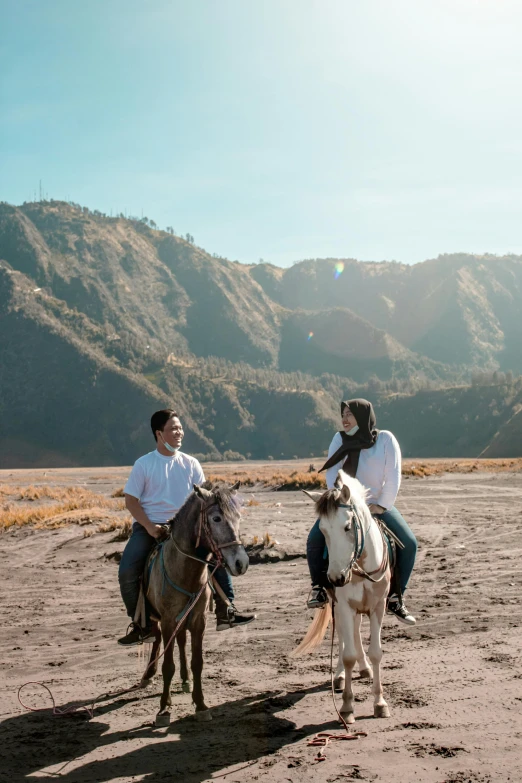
<point>360,537</point>
<point>204,528</point>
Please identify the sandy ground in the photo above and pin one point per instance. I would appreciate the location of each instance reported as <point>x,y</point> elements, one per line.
<point>453,683</point>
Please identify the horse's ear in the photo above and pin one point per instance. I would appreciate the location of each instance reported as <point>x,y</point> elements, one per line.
<point>203,493</point>
<point>345,493</point>
<point>313,495</point>
<point>235,486</point>
<point>339,483</point>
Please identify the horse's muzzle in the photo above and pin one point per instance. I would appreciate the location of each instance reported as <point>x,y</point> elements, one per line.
<point>236,560</point>
<point>341,580</point>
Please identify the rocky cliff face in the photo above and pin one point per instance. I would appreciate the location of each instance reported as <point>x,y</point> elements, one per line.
<point>456,309</point>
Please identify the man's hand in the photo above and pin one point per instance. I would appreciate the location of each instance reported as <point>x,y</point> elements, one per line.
<point>159,532</point>
<point>136,510</point>
<point>375,509</point>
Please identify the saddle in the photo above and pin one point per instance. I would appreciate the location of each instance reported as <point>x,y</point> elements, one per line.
<point>144,610</point>
<point>392,542</point>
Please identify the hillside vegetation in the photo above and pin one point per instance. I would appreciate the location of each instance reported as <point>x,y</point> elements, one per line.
<point>104,319</point>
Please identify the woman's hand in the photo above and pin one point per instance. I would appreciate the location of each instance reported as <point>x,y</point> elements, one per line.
<point>375,509</point>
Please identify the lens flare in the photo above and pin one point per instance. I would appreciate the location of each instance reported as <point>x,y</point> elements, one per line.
<point>339,269</point>
<point>310,335</point>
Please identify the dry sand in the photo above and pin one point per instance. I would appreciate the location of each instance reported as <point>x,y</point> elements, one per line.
<point>453,683</point>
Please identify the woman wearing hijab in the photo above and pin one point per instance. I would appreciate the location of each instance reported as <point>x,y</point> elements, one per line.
<point>374,458</point>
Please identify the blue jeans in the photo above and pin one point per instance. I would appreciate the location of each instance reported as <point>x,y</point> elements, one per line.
<point>132,565</point>
<point>318,564</point>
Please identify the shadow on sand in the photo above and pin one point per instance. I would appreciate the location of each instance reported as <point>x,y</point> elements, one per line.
<point>242,731</point>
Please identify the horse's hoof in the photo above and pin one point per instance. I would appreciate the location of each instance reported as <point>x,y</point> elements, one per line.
<point>339,683</point>
<point>146,683</point>
<point>365,674</point>
<point>381,711</point>
<point>204,716</point>
<point>162,719</point>
<point>185,686</point>
<point>348,717</point>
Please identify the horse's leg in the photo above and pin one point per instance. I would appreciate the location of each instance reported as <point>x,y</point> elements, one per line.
<point>183,669</point>
<point>168,668</point>
<point>339,671</point>
<point>365,670</point>
<point>380,708</point>
<point>346,619</point>
<point>196,664</point>
<point>152,666</point>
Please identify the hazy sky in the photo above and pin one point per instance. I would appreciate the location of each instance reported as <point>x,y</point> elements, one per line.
<point>282,129</point>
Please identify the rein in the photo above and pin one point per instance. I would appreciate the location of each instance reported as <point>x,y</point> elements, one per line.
<point>360,539</point>
<point>193,598</point>
<point>323,738</point>
<point>203,526</point>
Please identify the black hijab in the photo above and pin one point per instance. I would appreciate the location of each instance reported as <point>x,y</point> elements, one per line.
<point>364,438</point>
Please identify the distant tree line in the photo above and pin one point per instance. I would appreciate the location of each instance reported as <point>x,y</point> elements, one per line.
<point>495,378</point>
<point>216,368</point>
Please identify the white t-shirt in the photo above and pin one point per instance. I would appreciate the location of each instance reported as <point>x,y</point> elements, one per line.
<point>162,484</point>
<point>379,468</point>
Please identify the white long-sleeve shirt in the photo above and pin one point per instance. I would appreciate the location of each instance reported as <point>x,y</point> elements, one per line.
<point>379,468</point>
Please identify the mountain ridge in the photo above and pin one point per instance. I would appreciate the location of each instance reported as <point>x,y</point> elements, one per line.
<point>246,352</point>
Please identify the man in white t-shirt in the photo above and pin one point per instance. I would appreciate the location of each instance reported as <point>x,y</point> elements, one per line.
<point>157,487</point>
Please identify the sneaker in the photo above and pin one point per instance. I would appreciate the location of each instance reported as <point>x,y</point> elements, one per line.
<point>318,598</point>
<point>136,635</point>
<point>233,619</point>
<point>398,608</point>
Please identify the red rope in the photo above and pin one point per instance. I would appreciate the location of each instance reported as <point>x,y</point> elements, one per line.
<point>73,707</point>
<point>58,711</point>
<point>323,738</point>
<point>203,522</point>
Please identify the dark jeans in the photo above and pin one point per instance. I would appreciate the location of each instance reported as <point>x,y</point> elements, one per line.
<point>132,565</point>
<point>318,564</point>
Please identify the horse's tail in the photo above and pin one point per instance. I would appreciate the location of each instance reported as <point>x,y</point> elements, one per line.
<point>315,634</point>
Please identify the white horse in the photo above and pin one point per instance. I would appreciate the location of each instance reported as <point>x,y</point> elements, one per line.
<point>360,572</point>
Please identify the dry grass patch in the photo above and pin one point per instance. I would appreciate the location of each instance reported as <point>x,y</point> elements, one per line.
<point>122,526</point>
<point>288,478</point>
<point>423,468</point>
<point>66,494</point>
<point>265,540</point>
<point>281,480</point>
<point>93,507</point>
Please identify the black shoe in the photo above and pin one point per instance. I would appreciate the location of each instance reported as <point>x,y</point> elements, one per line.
<point>232,619</point>
<point>318,598</point>
<point>398,608</point>
<point>136,635</point>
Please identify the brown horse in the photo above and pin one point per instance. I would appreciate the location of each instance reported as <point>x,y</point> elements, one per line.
<point>206,527</point>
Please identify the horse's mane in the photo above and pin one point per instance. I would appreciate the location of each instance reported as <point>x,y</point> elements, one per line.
<point>329,501</point>
<point>221,492</point>
<point>223,495</point>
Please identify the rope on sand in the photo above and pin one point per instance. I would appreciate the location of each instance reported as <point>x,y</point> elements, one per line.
<point>323,738</point>
<point>89,706</point>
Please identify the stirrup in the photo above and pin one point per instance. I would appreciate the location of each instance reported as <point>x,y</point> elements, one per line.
<point>318,598</point>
